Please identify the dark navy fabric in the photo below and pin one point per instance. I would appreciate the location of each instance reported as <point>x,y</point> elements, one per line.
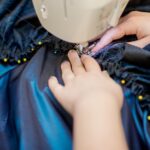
<point>30,117</point>
<point>132,64</point>
<point>20,30</point>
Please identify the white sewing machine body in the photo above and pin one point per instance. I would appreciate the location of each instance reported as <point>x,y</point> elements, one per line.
<point>78,21</point>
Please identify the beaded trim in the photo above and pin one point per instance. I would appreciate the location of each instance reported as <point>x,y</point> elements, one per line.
<point>56,45</point>
<point>110,59</point>
<point>22,58</point>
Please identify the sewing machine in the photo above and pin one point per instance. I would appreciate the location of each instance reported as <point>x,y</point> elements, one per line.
<point>78,21</point>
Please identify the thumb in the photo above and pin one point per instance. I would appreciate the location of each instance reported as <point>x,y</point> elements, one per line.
<point>125,28</point>
<point>55,87</point>
<point>142,42</point>
<point>60,94</point>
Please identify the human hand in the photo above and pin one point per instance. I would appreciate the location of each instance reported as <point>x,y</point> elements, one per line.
<point>84,81</point>
<point>135,23</point>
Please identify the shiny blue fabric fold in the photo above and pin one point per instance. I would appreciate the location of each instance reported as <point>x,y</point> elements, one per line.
<point>31,118</point>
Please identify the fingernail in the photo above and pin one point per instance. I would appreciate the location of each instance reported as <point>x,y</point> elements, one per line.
<point>72,51</point>
<point>65,62</point>
<point>51,78</point>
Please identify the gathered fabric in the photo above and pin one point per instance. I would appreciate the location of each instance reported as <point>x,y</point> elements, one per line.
<point>31,118</point>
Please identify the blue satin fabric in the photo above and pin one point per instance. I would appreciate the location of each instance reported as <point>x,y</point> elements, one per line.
<point>31,118</point>
<point>20,30</point>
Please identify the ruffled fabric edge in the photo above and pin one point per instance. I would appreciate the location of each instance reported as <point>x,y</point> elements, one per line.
<point>117,60</point>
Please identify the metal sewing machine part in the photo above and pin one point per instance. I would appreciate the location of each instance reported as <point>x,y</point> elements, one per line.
<point>79,21</point>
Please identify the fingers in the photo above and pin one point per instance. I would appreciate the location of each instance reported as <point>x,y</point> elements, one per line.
<point>55,87</point>
<point>76,63</point>
<point>79,66</point>
<point>141,43</point>
<point>67,73</point>
<point>108,37</point>
<point>126,26</point>
<point>90,64</point>
<point>130,15</point>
